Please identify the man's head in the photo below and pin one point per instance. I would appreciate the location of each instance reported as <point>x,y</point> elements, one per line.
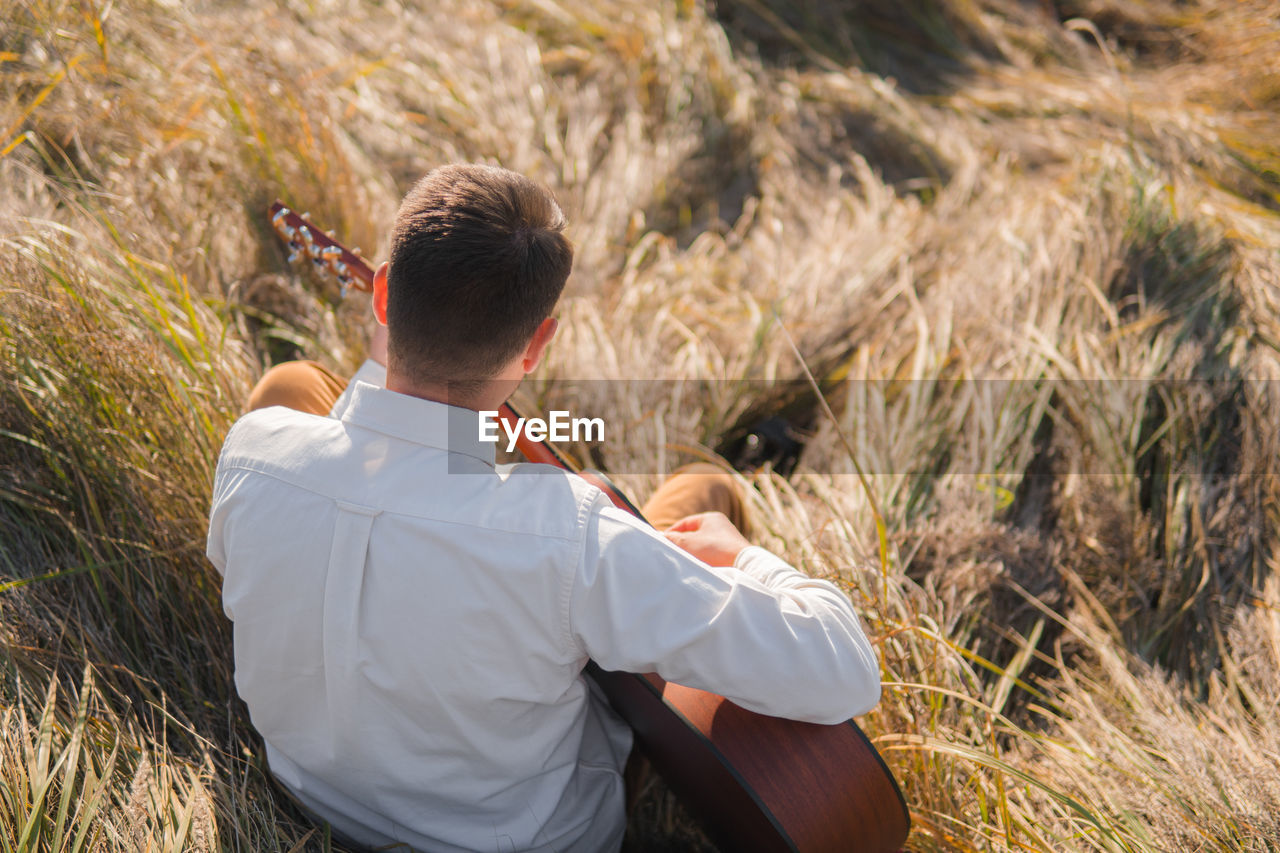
<point>478,262</point>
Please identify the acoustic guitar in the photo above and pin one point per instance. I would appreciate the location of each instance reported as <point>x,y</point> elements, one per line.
<point>758,783</point>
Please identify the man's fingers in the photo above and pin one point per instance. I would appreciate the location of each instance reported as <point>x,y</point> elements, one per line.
<point>689,522</point>
<point>709,536</point>
<point>692,522</point>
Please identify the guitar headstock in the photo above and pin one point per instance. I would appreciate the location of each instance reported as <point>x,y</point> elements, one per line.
<point>307,242</point>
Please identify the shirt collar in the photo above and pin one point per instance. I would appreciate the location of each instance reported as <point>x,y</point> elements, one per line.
<point>416,420</point>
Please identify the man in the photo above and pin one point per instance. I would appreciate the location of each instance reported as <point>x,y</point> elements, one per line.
<point>411,623</point>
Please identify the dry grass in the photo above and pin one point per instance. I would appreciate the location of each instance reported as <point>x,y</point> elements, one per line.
<point>1078,609</point>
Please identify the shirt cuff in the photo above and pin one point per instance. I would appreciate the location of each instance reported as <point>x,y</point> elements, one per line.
<point>776,573</point>
<point>764,566</point>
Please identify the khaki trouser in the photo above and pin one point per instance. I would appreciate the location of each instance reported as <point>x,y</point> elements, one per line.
<point>701,487</point>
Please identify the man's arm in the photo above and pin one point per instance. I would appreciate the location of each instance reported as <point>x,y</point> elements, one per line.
<point>760,633</point>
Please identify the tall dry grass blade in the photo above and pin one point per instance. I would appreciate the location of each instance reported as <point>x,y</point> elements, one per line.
<point>881,531</point>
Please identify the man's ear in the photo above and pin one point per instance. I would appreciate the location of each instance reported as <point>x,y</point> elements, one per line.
<point>538,344</point>
<point>380,293</point>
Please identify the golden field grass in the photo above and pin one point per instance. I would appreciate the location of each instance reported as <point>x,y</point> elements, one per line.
<point>1076,601</point>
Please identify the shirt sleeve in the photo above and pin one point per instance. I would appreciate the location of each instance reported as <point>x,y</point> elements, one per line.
<point>770,638</point>
<point>215,546</point>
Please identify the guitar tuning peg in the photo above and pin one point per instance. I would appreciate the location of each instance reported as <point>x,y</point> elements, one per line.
<point>293,256</point>
<point>281,224</point>
<point>356,251</point>
<point>331,234</point>
<point>307,216</point>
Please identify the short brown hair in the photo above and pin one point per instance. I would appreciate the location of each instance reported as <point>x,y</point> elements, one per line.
<point>478,260</point>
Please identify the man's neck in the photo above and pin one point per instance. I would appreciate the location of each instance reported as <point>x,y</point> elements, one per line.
<point>487,398</point>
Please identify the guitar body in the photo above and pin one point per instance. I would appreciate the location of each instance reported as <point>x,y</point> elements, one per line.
<point>760,784</point>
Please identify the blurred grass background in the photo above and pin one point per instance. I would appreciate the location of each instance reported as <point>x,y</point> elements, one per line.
<point>1081,646</point>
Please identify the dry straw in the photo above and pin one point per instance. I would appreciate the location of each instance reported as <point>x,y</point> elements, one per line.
<point>1076,596</point>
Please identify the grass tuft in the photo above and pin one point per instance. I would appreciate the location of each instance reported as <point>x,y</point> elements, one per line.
<point>1029,250</point>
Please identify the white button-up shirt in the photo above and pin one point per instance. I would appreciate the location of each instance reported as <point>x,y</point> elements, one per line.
<point>411,624</point>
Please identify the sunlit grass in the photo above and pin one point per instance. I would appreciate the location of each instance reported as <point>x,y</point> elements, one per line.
<point>1074,590</point>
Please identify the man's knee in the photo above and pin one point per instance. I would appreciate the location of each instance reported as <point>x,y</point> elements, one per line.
<point>716,483</point>
<point>303,385</point>
<point>694,488</point>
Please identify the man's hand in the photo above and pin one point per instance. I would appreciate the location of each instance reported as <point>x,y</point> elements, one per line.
<point>709,536</point>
